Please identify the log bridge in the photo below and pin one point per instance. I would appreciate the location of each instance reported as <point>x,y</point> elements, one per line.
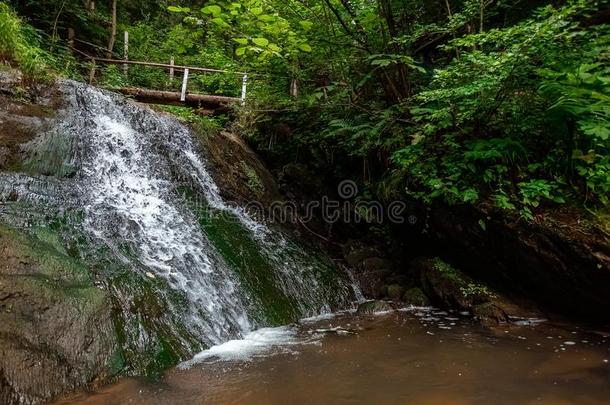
<point>208,103</point>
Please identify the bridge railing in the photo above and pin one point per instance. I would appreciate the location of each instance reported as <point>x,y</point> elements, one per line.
<point>179,68</point>
<point>171,67</point>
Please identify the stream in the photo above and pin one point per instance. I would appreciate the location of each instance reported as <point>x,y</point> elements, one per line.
<point>414,355</point>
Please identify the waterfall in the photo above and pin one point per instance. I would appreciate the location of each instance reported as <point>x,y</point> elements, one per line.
<point>123,169</point>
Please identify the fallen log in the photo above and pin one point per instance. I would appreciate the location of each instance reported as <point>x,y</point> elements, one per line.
<point>203,101</point>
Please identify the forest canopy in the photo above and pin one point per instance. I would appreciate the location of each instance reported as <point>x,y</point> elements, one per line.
<point>505,102</point>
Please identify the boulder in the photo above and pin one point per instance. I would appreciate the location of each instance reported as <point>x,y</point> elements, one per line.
<point>370,270</point>
<point>416,297</point>
<point>448,287</point>
<point>372,307</point>
<point>395,291</point>
<point>356,253</point>
<point>56,332</point>
<point>239,173</point>
<point>371,283</point>
<point>489,313</point>
<point>376,264</point>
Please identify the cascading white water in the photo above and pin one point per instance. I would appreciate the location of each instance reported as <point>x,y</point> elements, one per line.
<point>122,164</point>
<point>129,198</point>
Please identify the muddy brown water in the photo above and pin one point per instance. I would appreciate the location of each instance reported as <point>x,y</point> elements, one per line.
<point>404,357</point>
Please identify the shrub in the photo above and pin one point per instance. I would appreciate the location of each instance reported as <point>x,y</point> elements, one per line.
<point>19,46</point>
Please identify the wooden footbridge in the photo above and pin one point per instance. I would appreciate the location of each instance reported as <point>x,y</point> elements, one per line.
<point>182,98</point>
<point>207,103</point>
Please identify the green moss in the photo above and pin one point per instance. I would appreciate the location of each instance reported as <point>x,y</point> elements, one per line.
<point>416,296</point>
<point>447,270</point>
<point>241,252</point>
<point>47,271</point>
<point>254,183</point>
<point>166,357</point>
<point>116,362</point>
<point>372,307</point>
<point>395,291</point>
<point>45,250</point>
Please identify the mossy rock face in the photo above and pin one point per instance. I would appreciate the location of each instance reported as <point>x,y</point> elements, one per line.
<point>447,285</point>
<point>243,255</point>
<point>373,307</point>
<point>416,297</point>
<point>56,333</point>
<point>395,291</point>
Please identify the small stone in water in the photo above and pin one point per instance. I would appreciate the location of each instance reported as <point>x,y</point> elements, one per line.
<point>150,275</point>
<point>569,343</point>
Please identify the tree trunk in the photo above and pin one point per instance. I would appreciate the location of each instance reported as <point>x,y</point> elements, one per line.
<point>112,31</point>
<point>173,98</point>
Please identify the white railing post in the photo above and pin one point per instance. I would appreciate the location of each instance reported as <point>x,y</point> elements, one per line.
<point>171,70</point>
<point>126,52</point>
<point>184,82</point>
<point>244,89</point>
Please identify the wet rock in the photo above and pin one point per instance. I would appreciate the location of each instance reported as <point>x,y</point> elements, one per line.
<point>240,174</point>
<point>55,328</point>
<point>370,270</point>
<point>561,260</point>
<point>416,297</point>
<point>4,156</point>
<point>490,313</point>
<point>395,291</point>
<point>372,307</point>
<point>448,287</point>
<point>10,79</point>
<point>356,253</point>
<point>371,283</point>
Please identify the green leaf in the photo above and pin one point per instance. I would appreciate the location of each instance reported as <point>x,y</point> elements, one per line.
<point>219,21</point>
<point>306,25</point>
<point>260,41</point>
<point>241,41</point>
<point>382,62</point>
<point>266,17</point>
<point>213,9</point>
<point>256,10</point>
<point>240,51</point>
<point>305,48</point>
<point>177,9</point>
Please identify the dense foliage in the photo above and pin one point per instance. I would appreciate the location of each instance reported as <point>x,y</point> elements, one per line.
<point>465,101</point>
